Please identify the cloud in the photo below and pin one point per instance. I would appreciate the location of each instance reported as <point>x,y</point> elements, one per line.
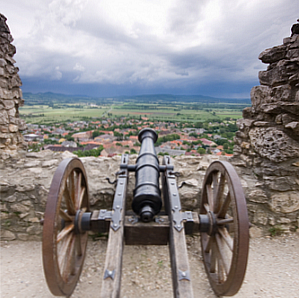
<point>162,45</point>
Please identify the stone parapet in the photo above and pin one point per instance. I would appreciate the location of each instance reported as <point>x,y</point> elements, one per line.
<point>25,183</point>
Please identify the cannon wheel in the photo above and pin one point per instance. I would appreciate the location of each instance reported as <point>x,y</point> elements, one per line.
<point>63,246</point>
<point>225,245</point>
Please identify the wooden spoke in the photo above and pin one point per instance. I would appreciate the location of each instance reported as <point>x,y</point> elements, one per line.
<point>72,187</point>
<point>68,264</point>
<point>218,193</point>
<point>224,206</point>
<point>68,201</point>
<point>64,232</point>
<point>225,249</point>
<point>207,244</point>
<point>225,221</point>
<point>227,238</point>
<point>63,249</point>
<point>78,245</point>
<point>221,271</point>
<point>79,202</point>
<point>64,215</point>
<point>207,207</point>
<point>222,253</point>
<point>213,255</point>
<point>210,200</point>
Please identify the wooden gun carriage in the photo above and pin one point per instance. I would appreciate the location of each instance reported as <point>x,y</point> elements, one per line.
<point>222,222</point>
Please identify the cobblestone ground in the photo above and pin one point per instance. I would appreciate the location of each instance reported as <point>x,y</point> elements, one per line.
<point>272,270</point>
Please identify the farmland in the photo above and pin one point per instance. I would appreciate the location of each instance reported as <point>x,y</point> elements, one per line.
<point>166,112</point>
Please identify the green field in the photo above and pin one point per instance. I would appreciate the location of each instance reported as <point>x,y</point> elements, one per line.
<point>166,112</point>
<point>45,114</point>
<point>177,112</point>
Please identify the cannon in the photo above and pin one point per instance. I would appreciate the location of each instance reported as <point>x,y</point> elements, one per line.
<point>158,219</point>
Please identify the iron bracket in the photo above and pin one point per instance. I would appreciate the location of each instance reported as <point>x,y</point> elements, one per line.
<point>109,273</point>
<point>184,275</point>
<point>119,196</point>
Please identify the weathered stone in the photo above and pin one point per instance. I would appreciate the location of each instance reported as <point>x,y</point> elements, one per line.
<point>32,164</point>
<point>260,217</point>
<point>13,128</point>
<point>258,196</point>
<point>255,232</point>
<point>35,229</point>
<point>7,235</point>
<point>2,62</point>
<point>259,95</point>
<point>3,207</point>
<point>10,199</point>
<point>284,202</point>
<point>23,236</point>
<point>273,54</point>
<point>25,188</point>
<point>293,125</point>
<point>21,207</point>
<point>273,144</point>
<point>261,123</point>
<point>278,184</point>
<point>50,163</point>
<point>292,53</point>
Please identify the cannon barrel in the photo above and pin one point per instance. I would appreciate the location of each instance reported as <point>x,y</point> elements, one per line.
<point>147,200</point>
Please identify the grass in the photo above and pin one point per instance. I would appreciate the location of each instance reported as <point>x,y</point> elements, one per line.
<point>276,230</point>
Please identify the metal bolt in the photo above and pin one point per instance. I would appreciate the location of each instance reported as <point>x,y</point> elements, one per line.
<point>179,226</point>
<point>176,207</point>
<point>184,274</point>
<point>115,225</point>
<point>119,194</point>
<point>110,272</point>
<point>117,206</point>
<point>174,194</point>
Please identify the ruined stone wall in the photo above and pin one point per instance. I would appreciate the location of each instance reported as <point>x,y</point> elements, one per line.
<point>267,143</point>
<point>25,182</point>
<point>11,139</point>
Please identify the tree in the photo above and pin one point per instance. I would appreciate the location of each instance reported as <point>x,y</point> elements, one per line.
<point>133,151</point>
<point>225,146</point>
<point>201,150</point>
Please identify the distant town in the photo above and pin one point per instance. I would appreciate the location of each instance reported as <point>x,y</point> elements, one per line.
<point>114,136</point>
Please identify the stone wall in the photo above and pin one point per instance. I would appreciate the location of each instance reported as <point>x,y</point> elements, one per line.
<point>267,143</point>
<point>25,182</point>
<point>11,139</point>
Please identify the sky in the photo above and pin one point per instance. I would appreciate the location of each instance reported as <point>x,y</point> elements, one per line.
<point>117,47</point>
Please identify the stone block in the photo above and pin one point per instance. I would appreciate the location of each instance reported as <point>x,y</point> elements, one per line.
<point>257,196</point>
<point>23,236</point>
<point>273,144</point>
<point>255,232</point>
<point>260,217</point>
<point>273,54</point>
<point>284,202</point>
<point>13,128</point>
<point>7,235</point>
<point>21,207</point>
<point>259,95</point>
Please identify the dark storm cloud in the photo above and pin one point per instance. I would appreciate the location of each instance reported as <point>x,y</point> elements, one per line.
<point>114,47</point>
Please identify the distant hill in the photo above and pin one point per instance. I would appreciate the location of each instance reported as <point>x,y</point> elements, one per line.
<point>50,98</point>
